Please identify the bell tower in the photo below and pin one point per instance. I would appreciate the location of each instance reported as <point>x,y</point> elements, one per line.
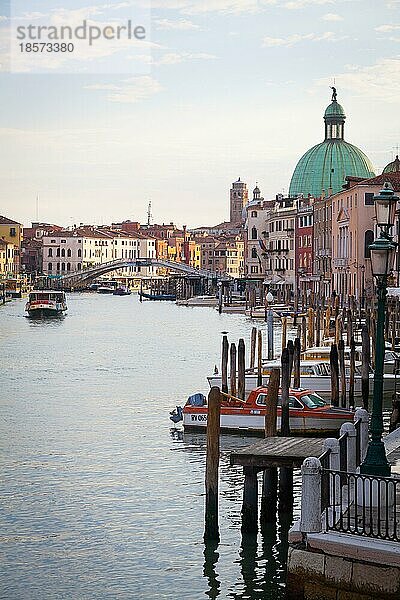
<point>239,197</point>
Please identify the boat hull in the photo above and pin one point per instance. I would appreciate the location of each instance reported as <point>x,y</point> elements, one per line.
<point>196,420</point>
<point>40,313</point>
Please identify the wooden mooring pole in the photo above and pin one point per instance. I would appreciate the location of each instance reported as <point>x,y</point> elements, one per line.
<point>224,364</point>
<point>233,369</point>
<point>270,475</point>
<point>259,358</point>
<point>241,370</point>
<point>253,344</point>
<point>211,529</point>
<point>296,363</point>
<point>365,363</point>
<point>334,364</point>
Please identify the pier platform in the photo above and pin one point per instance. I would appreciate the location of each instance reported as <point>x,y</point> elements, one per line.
<point>278,452</point>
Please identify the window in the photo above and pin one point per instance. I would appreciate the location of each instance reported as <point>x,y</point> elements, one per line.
<point>63,252</point>
<point>50,266</point>
<point>68,266</point>
<point>254,233</point>
<point>254,269</point>
<point>50,252</point>
<point>58,251</point>
<point>63,241</point>
<point>79,253</point>
<point>368,239</point>
<point>369,199</point>
<point>62,266</point>
<point>58,266</point>
<point>79,266</point>
<point>253,253</point>
<point>253,213</point>
<point>13,232</point>
<point>69,252</point>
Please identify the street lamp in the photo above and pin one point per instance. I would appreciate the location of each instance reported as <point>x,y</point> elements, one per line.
<point>382,259</point>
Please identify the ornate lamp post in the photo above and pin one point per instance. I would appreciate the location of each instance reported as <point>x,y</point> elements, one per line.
<point>382,260</point>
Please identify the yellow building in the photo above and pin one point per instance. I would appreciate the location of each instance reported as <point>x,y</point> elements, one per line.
<point>11,233</point>
<point>7,265</point>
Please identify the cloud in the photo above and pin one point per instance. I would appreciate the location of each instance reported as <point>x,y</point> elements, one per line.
<point>387,28</point>
<point>296,4</point>
<point>195,7</point>
<point>379,81</point>
<point>291,40</point>
<point>129,90</point>
<point>331,17</point>
<point>179,24</point>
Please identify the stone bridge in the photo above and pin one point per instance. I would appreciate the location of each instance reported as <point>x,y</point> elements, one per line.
<point>81,278</point>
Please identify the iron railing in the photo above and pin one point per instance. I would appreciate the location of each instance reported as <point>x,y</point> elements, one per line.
<point>363,505</point>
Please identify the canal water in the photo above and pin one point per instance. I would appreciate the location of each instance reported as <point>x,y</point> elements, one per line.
<point>101,498</point>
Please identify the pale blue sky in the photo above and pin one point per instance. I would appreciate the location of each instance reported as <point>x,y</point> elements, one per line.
<point>234,88</point>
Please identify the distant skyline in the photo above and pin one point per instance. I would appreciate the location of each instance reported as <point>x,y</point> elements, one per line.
<point>230,88</point>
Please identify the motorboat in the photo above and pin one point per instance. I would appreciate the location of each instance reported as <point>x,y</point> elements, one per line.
<point>122,291</point>
<point>309,414</point>
<point>46,303</point>
<point>314,374</point>
<point>105,289</point>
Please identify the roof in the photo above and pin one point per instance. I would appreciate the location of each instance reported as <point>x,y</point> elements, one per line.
<point>334,111</point>
<point>393,178</point>
<point>326,165</point>
<point>393,167</point>
<point>6,221</point>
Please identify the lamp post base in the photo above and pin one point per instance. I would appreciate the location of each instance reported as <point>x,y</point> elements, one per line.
<point>375,462</point>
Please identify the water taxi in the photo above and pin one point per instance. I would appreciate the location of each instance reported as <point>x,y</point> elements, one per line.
<point>309,414</point>
<point>46,303</point>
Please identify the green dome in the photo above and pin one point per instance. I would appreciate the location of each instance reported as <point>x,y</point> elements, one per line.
<point>334,110</point>
<point>326,165</point>
<point>392,167</point>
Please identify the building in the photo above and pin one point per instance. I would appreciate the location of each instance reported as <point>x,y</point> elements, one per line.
<point>353,230</point>
<point>325,166</point>
<point>11,232</point>
<point>280,226</point>
<point>32,246</point>
<point>239,197</point>
<point>84,247</point>
<point>304,233</point>
<point>7,258</point>
<point>256,236</point>
<point>322,242</point>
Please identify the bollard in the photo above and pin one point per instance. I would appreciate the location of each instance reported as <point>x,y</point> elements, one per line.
<point>211,529</point>
<point>362,414</point>
<point>310,519</point>
<point>351,446</point>
<point>332,444</point>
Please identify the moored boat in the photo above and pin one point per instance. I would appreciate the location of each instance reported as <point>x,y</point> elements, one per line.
<point>105,289</point>
<point>122,291</point>
<point>309,413</point>
<point>146,296</point>
<point>314,374</point>
<point>46,303</point>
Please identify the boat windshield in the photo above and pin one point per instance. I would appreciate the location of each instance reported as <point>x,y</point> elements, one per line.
<point>313,401</point>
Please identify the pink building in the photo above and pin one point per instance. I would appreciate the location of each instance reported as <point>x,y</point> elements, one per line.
<point>353,230</point>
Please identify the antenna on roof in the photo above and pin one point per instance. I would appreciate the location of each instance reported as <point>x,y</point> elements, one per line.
<point>149,215</point>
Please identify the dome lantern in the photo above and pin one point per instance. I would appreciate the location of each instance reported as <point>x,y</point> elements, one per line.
<point>334,118</point>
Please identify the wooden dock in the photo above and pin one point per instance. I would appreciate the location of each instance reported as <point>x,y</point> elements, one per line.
<point>278,452</point>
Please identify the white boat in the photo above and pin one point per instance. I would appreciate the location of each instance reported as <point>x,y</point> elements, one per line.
<point>46,303</point>
<point>315,375</point>
<point>105,289</point>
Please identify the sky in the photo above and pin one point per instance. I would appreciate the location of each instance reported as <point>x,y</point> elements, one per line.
<point>217,90</point>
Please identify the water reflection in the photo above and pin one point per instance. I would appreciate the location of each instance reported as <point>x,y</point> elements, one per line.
<point>211,557</point>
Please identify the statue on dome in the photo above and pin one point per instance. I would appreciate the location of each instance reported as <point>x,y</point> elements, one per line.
<point>334,94</point>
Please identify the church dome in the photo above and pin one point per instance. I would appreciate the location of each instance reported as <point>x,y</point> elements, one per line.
<point>326,165</point>
<point>392,167</point>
